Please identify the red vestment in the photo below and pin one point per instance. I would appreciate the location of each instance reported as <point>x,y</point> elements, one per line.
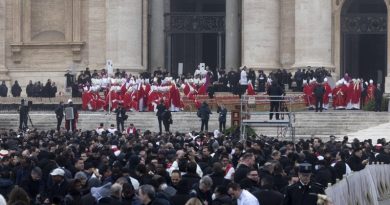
<point>339,98</point>
<point>308,91</point>
<point>356,93</point>
<point>250,89</point>
<point>328,90</point>
<point>370,93</point>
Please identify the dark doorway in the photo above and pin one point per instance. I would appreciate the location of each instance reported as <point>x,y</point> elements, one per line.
<point>195,34</point>
<point>364,39</point>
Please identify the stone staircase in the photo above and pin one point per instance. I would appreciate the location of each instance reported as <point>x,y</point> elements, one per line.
<point>307,123</point>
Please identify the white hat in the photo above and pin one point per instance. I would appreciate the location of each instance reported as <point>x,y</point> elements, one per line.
<point>70,100</point>
<point>3,153</point>
<point>371,81</point>
<point>320,158</point>
<point>57,172</point>
<point>325,79</point>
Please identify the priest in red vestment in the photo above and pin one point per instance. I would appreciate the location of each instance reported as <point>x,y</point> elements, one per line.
<point>370,92</point>
<point>327,94</point>
<point>339,97</point>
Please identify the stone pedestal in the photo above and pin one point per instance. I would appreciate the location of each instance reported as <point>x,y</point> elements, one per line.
<point>313,33</point>
<point>232,49</point>
<point>260,34</point>
<point>157,34</point>
<point>125,34</point>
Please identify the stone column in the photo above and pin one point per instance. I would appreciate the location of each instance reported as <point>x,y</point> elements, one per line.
<point>387,78</point>
<point>96,34</point>
<point>313,33</point>
<point>125,34</point>
<point>3,67</point>
<point>232,49</point>
<point>157,53</point>
<point>260,34</point>
<point>287,33</point>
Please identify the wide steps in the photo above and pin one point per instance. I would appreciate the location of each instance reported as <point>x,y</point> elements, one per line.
<point>337,123</point>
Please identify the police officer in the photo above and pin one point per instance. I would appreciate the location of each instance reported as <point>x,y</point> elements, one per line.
<point>304,192</point>
<point>23,115</point>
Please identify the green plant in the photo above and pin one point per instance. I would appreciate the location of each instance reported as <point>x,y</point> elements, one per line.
<point>234,130</point>
<point>370,106</point>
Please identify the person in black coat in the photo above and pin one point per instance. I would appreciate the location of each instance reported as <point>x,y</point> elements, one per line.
<point>221,196</point>
<point>204,114</point>
<point>59,114</point>
<point>181,196</point>
<point>222,117</point>
<point>384,156</point>
<point>319,92</point>
<point>120,117</point>
<point>34,184</point>
<point>23,115</point>
<point>30,89</point>
<point>267,195</point>
<point>58,185</point>
<point>16,89</point>
<point>304,191</point>
<point>378,98</point>
<point>160,110</point>
<point>262,80</point>
<point>356,162</point>
<point>167,119</point>
<point>3,89</point>
<point>275,92</point>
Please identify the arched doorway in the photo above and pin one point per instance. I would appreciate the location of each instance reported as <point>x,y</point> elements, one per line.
<point>364,39</point>
<point>195,31</point>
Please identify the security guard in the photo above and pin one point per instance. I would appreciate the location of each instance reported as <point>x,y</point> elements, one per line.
<point>303,192</point>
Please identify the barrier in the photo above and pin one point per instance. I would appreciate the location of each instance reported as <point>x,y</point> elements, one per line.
<point>368,186</point>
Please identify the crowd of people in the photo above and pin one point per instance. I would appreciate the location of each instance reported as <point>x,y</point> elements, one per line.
<point>36,89</point>
<point>104,166</point>
<point>348,93</point>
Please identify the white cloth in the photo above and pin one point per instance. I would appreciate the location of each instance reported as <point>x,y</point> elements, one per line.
<point>229,173</point>
<point>175,166</point>
<point>246,198</point>
<point>243,78</point>
<point>112,130</point>
<point>99,130</point>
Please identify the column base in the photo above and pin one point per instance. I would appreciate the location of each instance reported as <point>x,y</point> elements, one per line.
<point>4,73</point>
<point>387,85</point>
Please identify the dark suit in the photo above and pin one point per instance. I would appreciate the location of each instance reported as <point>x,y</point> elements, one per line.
<point>160,110</point>
<point>59,115</point>
<point>267,196</point>
<point>120,118</point>
<point>298,194</point>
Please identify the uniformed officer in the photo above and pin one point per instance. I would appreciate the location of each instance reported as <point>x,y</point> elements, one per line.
<point>303,192</point>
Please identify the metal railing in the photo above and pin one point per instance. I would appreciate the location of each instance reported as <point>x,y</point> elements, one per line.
<point>250,117</point>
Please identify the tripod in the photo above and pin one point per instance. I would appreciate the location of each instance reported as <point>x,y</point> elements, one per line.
<point>29,119</point>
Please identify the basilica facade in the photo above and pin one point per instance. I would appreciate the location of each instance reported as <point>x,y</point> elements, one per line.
<point>41,39</point>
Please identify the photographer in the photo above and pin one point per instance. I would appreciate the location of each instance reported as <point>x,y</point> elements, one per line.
<point>23,115</point>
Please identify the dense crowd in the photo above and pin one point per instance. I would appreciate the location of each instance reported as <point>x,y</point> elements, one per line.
<point>104,166</point>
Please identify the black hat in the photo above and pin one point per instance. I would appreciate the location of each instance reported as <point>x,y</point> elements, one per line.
<point>305,168</point>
